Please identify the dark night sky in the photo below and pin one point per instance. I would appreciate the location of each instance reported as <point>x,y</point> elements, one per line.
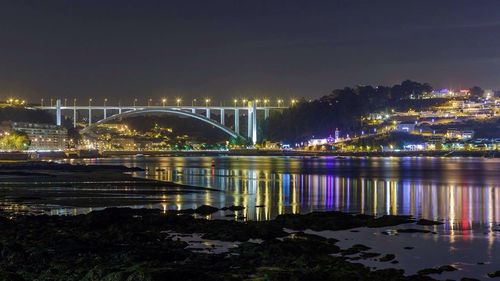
<point>226,49</point>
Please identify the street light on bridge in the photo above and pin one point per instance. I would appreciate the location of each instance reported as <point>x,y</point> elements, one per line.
<point>41,102</point>
<point>149,102</point>
<point>293,101</point>
<point>244,101</point>
<point>135,102</point>
<point>265,102</point>
<point>193,102</point>
<point>179,102</point>
<point>235,102</point>
<point>207,102</point>
<point>279,102</point>
<point>163,101</point>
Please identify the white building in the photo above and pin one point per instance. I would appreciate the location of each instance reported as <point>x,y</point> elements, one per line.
<point>43,136</point>
<point>405,127</point>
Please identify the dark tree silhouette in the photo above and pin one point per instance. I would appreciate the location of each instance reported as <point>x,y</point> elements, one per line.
<point>341,109</point>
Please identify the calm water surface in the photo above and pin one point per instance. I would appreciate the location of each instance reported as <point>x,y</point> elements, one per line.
<point>463,192</point>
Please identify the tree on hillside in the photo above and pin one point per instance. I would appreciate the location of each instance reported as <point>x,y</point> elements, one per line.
<point>341,109</point>
<point>476,92</point>
<point>14,141</point>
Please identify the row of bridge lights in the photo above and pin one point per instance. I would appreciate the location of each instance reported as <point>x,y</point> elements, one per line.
<point>178,101</point>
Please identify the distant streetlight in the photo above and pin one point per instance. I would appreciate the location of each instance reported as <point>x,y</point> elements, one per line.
<point>207,102</point>
<point>41,102</point>
<point>293,102</point>
<point>265,102</point>
<point>244,101</point>
<point>65,102</point>
<point>105,100</point>
<point>235,102</point>
<point>178,102</point>
<point>149,102</point>
<point>279,102</point>
<point>90,102</point>
<point>74,102</point>
<point>135,102</point>
<point>51,102</point>
<point>193,102</point>
<point>163,101</point>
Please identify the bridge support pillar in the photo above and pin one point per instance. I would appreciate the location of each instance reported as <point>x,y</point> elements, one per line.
<point>222,116</point>
<point>90,115</point>
<point>119,110</point>
<point>105,113</point>
<point>74,116</point>
<point>266,114</point>
<point>252,121</point>
<point>58,112</point>
<point>249,119</point>
<point>193,110</point>
<point>237,120</point>
<point>208,113</point>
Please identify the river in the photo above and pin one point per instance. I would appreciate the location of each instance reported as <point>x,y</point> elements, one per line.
<point>462,192</point>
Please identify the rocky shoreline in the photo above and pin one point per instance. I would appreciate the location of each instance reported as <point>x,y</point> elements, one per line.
<point>122,244</point>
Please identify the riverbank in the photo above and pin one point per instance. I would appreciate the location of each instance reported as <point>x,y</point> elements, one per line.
<point>306,153</point>
<point>22,156</point>
<point>133,244</point>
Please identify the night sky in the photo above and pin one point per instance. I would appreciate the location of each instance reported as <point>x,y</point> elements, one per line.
<point>226,49</point>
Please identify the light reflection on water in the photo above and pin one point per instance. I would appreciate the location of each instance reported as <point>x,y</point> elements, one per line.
<point>464,192</point>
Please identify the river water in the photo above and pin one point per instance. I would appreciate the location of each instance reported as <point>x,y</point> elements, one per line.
<point>463,193</point>
<point>459,191</point>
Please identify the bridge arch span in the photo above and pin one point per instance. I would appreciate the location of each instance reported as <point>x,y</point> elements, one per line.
<point>166,111</point>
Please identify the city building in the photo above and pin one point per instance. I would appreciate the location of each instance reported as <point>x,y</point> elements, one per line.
<point>328,140</point>
<point>405,127</point>
<point>453,133</point>
<point>42,136</point>
<point>272,145</point>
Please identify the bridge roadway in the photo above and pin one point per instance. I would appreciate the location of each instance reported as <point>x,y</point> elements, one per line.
<point>118,111</point>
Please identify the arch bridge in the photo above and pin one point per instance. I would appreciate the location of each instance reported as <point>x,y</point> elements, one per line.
<point>202,113</point>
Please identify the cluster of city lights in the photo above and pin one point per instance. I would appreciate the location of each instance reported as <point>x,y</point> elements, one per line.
<point>14,101</point>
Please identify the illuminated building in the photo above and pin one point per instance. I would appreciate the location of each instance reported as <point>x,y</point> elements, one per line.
<point>405,127</point>
<point>459,134</point>
<point>43,136</point>
<point>328,140</point>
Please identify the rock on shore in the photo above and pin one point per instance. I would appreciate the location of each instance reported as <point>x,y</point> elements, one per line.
<point>129,244</point>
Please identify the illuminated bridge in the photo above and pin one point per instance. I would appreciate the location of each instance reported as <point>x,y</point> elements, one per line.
<point>202,113</point>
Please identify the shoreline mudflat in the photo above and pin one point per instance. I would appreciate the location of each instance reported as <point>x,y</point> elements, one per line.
<point>144,244</point>
<point>38,187</point>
